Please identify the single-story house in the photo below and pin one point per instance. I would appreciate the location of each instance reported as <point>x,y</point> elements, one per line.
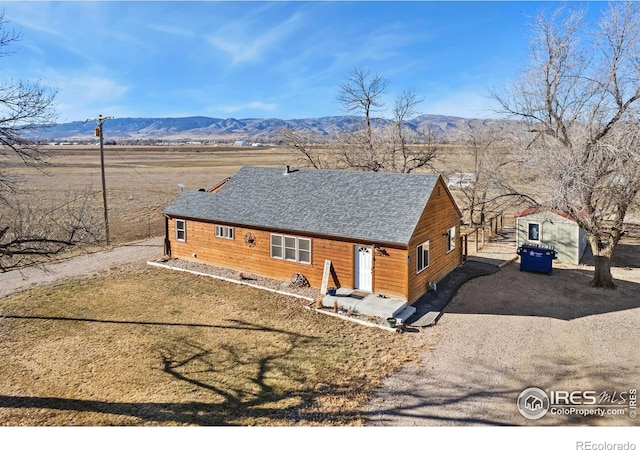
<point>539,226</point>
<point>385,233</point>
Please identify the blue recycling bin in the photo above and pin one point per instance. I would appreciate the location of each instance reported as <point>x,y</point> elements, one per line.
<point>537,258</point>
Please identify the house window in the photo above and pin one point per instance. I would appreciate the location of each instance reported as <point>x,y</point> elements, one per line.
<point>224,232</point>
<point>291,248</point>
<point>276,246</point>
<point>304,250</point>
<point>423,257</point>
<point>451,239</point>
<point>534,232</point>
<point>181,230</point>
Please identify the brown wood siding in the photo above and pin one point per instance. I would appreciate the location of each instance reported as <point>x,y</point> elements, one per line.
<point>440,214</point>
<point>236,254</point>
<point>389,273</point>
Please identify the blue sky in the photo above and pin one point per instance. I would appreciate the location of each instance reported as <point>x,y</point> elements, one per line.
<point>264,59</point>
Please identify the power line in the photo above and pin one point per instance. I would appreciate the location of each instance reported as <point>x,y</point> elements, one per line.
<point>128,163</point>
<point>100,120</point>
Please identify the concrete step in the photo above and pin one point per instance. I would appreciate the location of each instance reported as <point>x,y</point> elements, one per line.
<point>404,313</point>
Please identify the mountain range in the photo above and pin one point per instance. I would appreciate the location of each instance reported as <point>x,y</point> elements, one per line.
<point>229,130</point>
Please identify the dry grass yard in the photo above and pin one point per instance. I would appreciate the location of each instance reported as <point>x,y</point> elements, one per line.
<point>141,346</point>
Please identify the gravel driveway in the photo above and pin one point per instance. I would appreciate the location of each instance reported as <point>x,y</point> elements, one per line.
<point>512,330</point>
<point>31,277</point>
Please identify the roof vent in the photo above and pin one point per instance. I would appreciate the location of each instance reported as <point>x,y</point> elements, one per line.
<point>287,170</point>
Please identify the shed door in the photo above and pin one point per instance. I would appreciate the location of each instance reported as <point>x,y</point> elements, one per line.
<point>363,264</point>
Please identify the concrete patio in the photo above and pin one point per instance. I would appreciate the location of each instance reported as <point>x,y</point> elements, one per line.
<point>370,304</point>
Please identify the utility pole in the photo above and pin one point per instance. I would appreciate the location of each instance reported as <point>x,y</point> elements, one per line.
<point>100,120</point>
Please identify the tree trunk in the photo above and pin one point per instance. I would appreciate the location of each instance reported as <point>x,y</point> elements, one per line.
<point>602,253</point>
<point>602,276</point>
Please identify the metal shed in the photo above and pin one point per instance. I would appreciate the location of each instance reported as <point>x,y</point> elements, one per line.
<point>538,226</point>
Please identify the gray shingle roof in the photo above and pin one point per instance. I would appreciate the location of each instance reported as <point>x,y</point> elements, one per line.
<point>363,206</point>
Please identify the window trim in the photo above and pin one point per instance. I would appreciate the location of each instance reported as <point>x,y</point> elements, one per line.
<point>226,232</point>
<point>283,247</point>
<point>418,251</point>
<point>451,239</point>
<point>183,230</point>
<point>529,231</point>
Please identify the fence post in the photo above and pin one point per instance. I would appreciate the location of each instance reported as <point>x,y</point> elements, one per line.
<point>476,239</point>
<point>464,246</point>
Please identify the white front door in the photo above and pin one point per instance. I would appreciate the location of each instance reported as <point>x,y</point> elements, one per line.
<point>363,264</point>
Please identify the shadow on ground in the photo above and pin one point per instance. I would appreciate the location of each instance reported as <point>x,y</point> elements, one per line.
<point>430,306</point>
<point>484,395</point>
<point>564,295</point>
<point>627,255</point>
<point>254,396</point>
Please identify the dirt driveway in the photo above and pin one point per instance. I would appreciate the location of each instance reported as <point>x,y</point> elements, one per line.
<point>31,277</point>
<point>512,330</point>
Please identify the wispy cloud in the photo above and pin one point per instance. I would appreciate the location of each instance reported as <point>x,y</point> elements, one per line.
<point>248,41</point>
<point>25,17</point>
<point>251,106</point>
<point>83,94</point>
<point>466,101</point>
<point>171,30</point>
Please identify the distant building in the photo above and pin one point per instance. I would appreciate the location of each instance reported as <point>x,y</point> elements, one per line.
<point>461,180</point>
<point>241,144</point>
<point>539,226</point>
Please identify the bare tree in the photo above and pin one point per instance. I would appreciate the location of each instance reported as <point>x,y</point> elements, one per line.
<point>407,149</point>
<point>362,92</point>
<point>29,236</point>
<point>382,145</point>
<point>24,106</point>
<point>378,145</point>
<point>310,149</point>
<point>489,186</point>
<point>579,98</point>
<point>475,186</point>
<point>25,234</point>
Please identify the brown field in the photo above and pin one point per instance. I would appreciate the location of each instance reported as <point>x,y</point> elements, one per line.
<point>141,181</point>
